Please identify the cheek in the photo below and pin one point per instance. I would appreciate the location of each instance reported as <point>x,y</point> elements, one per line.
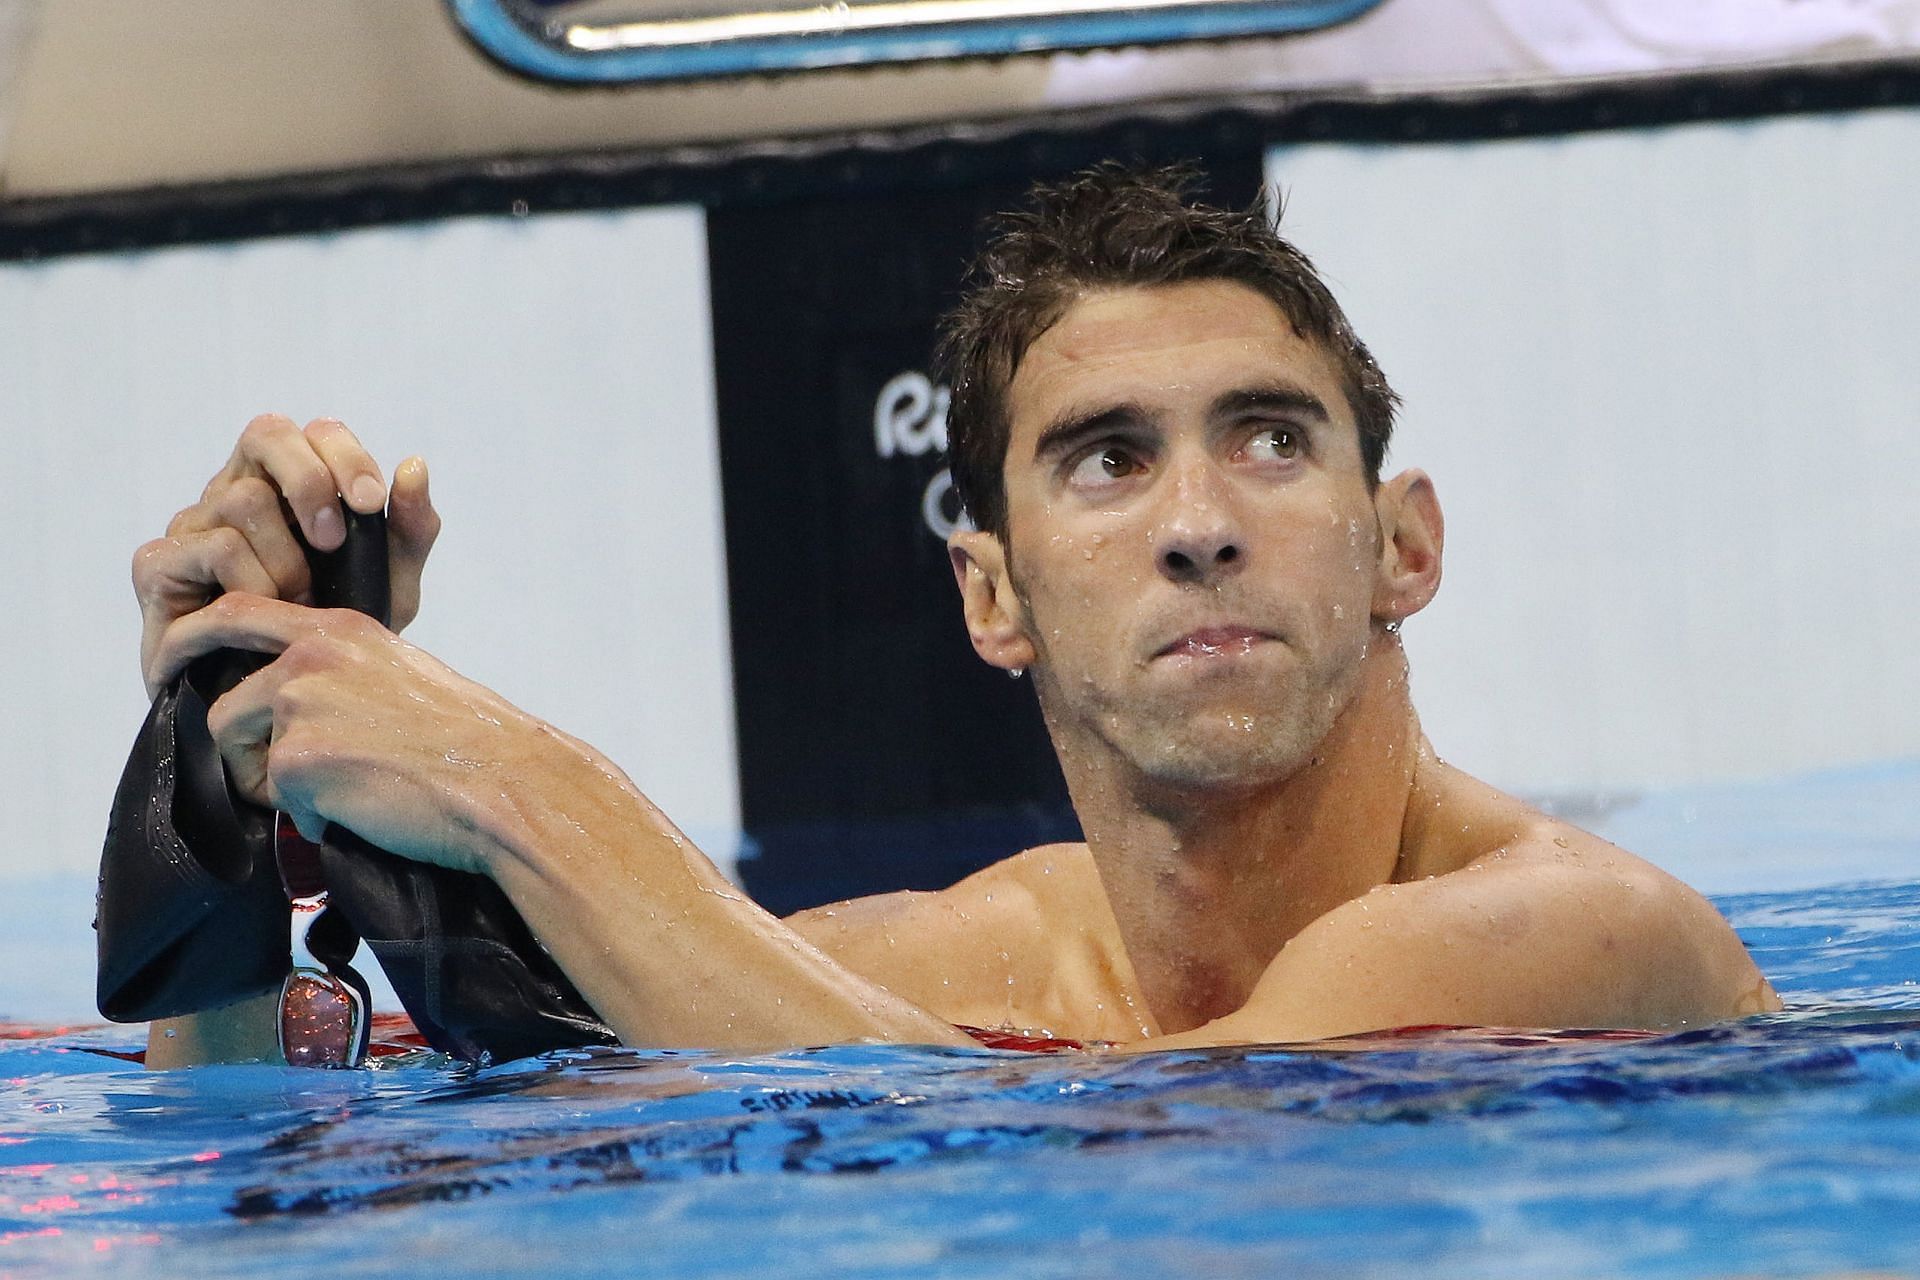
<point>1076,591</point>
<point>1330,560</point>
<point>1346,540</point>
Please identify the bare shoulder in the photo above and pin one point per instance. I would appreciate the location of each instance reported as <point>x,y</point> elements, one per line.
<point>941,948</point>
<point>1591,934</point>
<point>1546,926</point>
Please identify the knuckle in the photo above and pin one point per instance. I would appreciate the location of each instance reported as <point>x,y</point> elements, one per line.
<point>308,653</point>
<point>352,622</point>
<point>285,706</point>
<point>149,559</point>
<point>228,608</point>
<point>246,499</point>
<point>339,632</point>
<point>261,431</point>
<point>290,755</point>
<point>266,426</point>
<point>226,545</point>
<point>184,519</point>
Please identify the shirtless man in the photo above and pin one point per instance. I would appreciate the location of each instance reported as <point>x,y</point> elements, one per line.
<point>1170,441</point>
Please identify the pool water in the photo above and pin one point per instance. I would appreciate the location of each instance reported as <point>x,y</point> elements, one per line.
<point>1785,1145</point>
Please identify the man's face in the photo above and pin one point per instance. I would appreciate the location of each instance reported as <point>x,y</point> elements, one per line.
<point>1191,539</point>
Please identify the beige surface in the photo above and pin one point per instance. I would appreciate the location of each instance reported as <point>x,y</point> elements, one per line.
<point>114,94</point>
<point>130,93</point>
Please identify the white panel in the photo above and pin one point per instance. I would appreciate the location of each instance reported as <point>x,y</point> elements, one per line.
<point>557,374</point>
<point>1665,384</point>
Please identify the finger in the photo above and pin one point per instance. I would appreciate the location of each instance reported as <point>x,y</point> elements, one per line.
<point>197,518</point>
<point>241,723</point>
<point>356,475</point>
<point>412,527</point>
<point>173,577</point>
<point>271,446</point>
<point>236,620</point>
<point>251,506</point>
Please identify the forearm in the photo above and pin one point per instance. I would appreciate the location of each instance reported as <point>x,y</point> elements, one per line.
<point>657,940</point>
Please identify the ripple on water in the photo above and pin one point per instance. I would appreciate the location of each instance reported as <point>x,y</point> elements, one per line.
<point>1744,1147</point>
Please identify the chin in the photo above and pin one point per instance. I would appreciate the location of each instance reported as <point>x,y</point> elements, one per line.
<point>1226,751</point>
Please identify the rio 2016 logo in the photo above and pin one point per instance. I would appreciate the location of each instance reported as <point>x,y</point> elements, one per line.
<point>910,420</point>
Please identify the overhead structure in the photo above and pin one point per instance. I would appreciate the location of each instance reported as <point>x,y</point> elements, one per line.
<point>1404,47</point>
<point>591,41</point>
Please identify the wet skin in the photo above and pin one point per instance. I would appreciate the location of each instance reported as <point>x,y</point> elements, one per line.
<point>1207,592</point>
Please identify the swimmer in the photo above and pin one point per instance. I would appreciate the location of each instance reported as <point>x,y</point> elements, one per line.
<point>1170,444</point>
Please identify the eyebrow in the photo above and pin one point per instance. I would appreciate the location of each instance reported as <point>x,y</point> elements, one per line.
<point>1069,429</point>
<point>1276,397</point>
<point>1074,426</point>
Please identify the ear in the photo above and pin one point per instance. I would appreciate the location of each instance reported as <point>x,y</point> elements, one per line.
<point>1412,534</point>
<point>996,620</point>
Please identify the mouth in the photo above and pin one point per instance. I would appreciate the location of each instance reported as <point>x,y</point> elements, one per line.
<point>1222,641</point>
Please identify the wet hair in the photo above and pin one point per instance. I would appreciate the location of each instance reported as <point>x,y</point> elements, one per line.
<point>1114,226</point>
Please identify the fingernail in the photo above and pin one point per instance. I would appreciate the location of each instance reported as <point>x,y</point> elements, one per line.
<point>328,527</point>
<point>367,494</point>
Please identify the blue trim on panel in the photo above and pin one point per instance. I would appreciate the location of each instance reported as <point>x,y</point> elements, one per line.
<point>536,49</point>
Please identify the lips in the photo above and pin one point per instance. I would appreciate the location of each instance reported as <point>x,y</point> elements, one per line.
<point>1224,640</point>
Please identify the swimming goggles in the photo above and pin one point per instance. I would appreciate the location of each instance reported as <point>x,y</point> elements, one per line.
<point>323,1002</point>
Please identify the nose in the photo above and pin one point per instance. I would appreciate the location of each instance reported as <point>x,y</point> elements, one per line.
<point>1199,538</point>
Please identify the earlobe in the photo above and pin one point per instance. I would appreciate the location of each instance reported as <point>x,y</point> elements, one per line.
<point>996,622</point>
<point>1413,535</point>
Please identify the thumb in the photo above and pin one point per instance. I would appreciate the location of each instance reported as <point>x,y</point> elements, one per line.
<point>412,526</point>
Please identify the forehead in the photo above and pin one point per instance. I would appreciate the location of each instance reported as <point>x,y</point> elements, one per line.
<point>1151,344</point>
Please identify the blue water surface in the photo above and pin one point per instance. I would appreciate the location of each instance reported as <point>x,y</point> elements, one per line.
<point>1784,1145</point>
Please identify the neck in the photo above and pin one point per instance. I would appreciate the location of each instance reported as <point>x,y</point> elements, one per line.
<point>1207,884</point>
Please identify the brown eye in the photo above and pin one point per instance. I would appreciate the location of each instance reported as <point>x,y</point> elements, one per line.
<point>1274,442</point>
<point>1103,466</point>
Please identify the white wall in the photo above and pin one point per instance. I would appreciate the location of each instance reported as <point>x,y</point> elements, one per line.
<point>557,374</point>
<point>1665,382</point>
<point>1662,379</point>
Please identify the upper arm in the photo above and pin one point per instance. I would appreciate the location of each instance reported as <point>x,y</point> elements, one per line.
<point>907,942</point>
<point>958,952</point>
<point>1539,944</point>
<point>859,931</point>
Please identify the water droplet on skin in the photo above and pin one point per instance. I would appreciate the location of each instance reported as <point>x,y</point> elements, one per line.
<point>1563,842</point>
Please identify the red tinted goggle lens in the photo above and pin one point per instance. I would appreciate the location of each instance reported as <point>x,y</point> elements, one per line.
<point>322,1020</point>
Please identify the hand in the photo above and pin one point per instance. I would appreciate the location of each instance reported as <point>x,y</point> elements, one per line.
<point>351,724</point>
<point>237,537</point>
